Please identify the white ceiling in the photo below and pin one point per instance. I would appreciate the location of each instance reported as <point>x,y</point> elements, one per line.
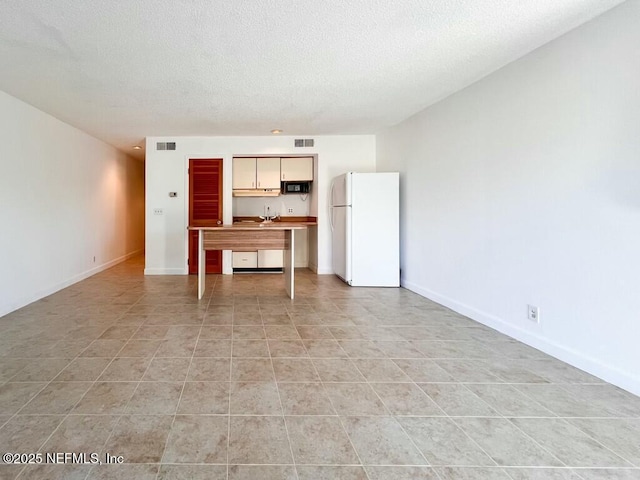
<point>123,70</point>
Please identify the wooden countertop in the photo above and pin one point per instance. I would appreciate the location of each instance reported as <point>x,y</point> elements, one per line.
<point>257,226</point>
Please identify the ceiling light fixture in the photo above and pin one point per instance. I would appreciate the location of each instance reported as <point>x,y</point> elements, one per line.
<point>275,131</point>
<point>137,147</point>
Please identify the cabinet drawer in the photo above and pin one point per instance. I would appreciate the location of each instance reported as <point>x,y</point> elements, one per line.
<point>245,259</point>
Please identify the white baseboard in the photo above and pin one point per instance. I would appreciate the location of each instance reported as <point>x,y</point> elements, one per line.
<point>13,306</point>
<point>166,271</point>
<point>324,271</point>
<point>573,357</point>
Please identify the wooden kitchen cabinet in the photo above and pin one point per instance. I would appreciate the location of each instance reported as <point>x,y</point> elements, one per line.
<point>268,172</point>
<point>296,169</point>
<point>244,173</point>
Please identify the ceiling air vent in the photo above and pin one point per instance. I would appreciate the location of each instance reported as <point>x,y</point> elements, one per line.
<point>166,146</point>
<point>303,142</point>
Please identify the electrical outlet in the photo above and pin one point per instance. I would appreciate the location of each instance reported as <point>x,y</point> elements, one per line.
<point>289,210</point>
<point>158,211</point>
<point>533,313</point>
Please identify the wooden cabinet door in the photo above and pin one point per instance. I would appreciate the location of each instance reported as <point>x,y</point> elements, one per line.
<point>268,172</point>
<point>244,173</point>
<point>296,169</point>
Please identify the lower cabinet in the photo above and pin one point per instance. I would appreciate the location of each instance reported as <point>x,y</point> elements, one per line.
<point>259,259</point>
<point>245,259</point>
<point>270,259</point>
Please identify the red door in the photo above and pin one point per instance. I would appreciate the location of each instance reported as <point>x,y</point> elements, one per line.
<point>205,207</point>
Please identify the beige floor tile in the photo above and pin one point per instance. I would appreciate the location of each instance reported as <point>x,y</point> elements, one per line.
<point>263,472</point>
<point>406,399</point>
<point>320,440</point>
<point>287,348</point>
<point>167,370</point>
<point>57,398</point>
<point>295,370</point>
<point>210,398</point>
<point>197,439</point>
<point>106,398</point>
<point>380,370</point>
<point>209,369</point>
<point>176,347</point>
<point>258,440</point>
<point>337,370</point>
<point>248,332</point>
<point>140,348</point>
<point>218,332</point>
<point>324,348</point>
<point>83,370</point>
<point>252,370</point>
<point>192,472</point>
<point>330,472</point>
<point>81,433</point>
<point>543,474</point>
<point>155,398</point>
<point>355,399</point>
<point>123,472</point>
<point>403,473</point>
<point>250,348</point>
<point>442,442</point>
<point>103,348</point>
<point>125,370</point>
<point>13,396</point>
<point>27,433</point>
<point>54,472</point>
<point>457,400</point>
<point>423,370</point>
<point>255,398</point>
<point>305,399</point>
<point>508,401</point>
<point>213,348</point>
<point>505,443</point>
<point>382,441</point>
<point>41,370</point>
<point>569,444</point>
<point>140,438</point>
<point>472,473</point>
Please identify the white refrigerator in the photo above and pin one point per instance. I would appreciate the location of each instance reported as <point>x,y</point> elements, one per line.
<point>365,228</point>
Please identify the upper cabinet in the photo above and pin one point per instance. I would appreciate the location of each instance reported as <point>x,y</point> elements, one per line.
<point>256,173</point>
<point>296,169</point>
<point>244,173</point>
<point>268,172</point>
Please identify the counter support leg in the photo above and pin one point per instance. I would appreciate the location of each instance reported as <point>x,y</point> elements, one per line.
<point>289,262</point>
<point>202,268</point>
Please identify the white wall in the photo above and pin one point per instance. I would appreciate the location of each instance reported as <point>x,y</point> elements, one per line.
<point>166,171</point>
<point>525,189</point>
<point>65,197</point>
<point>254,206</point>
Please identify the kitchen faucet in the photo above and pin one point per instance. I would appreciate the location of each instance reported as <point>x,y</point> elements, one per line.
<point>267,217</point>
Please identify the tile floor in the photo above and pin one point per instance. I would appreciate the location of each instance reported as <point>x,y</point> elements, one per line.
<point>342,383</point>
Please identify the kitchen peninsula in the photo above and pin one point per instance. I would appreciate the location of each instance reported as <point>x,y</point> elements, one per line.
<point>241,237</point>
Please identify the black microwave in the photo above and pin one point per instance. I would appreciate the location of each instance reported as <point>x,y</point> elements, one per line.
<point>296,187</point>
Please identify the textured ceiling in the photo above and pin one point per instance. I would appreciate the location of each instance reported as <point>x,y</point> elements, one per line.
<point>122,70</point>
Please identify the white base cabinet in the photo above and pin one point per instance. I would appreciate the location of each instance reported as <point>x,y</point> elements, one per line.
<point>259,259</point>
<point>245,259</point>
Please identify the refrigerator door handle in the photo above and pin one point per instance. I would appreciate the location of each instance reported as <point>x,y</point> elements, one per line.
<point>331,217</point>
<point>333,184</point>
